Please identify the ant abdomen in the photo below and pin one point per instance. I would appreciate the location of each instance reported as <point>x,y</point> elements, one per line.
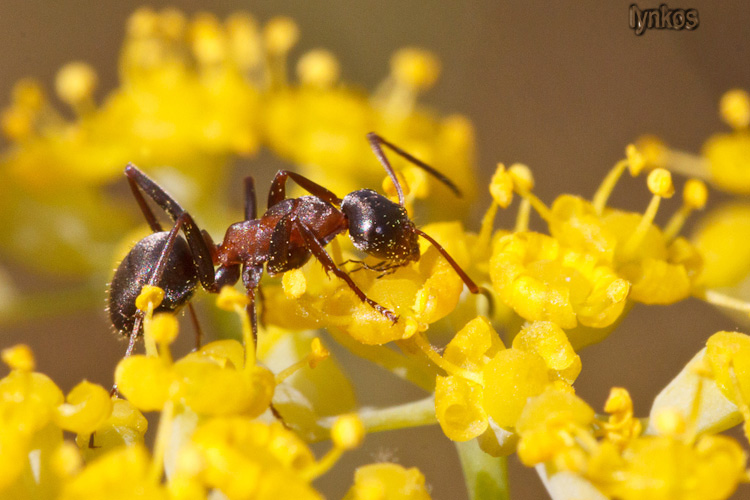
<point>179,280</point>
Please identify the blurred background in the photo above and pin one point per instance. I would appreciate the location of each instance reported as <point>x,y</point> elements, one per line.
<point>561,87</point>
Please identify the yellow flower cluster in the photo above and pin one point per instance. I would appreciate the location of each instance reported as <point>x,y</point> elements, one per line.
<point>236,418</point>
<point>721,236</point>
<point>195,93</point>
<point>209,437</point>
<point>488,385</point>
<point>421,293</point>
<point>596,260</point>
<point>677,456</point>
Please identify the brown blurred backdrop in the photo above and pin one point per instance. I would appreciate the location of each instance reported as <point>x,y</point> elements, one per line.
<point>561,86</point>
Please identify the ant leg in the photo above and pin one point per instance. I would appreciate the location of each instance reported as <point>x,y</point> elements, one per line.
<point>320,253</point>
<point>251,279</point>
<point>196,241</point>
<point>262,304</point>
<point>377,143</point>
<point>251,211</point>
<point>148,214</point>
<point>278,188</point>
<point>283,254</point>
<point>473,288</point>
<point>278,247</point>
<point>196,326</point>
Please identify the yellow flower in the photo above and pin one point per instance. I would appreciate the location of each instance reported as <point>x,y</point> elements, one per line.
<point>211,384</point>
<point>542,280</point>
<point>613,456</point>
<point>28,404</point>
<point>322,127</point>
<point>595,258</point>
<point>420,293</point>
<point>87,407</point>
<point>383,481</point>
<point>125,426</point>
<point>247,459</point>
<point>195,92</point>
<point>459,402</point>
<point>549,424</point>
<point>123,473</point>
<point>664,467</point>
<point>723,241</point>
<point>219,379</point>
<point>486,381</point>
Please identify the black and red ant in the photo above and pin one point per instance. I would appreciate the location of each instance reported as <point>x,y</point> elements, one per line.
<point>283,238</point>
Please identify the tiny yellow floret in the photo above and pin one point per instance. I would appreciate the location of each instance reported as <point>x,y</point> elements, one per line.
<point>280,35</point>
<point>618,401</point>
<point>149,295</point>
<point>142,23</point>
<point>416,68</point>
<point>660,183</point>
<point>19,357</point>
<point>522,177</point>
<point>501,186</point>
<point>347,432</point>
<point>695,194</point>
<point>318,68</point>
<point>734,108</point>
<point>75,82</point>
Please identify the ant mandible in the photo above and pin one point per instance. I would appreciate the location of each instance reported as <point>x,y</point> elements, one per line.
<point>283,238</point>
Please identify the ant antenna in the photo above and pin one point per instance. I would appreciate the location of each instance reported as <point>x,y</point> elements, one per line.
<point>376,143</point>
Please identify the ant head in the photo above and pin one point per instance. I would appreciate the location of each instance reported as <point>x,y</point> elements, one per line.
<point>379,227</point>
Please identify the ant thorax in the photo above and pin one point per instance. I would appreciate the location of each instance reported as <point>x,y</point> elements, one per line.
<point>380,227</point>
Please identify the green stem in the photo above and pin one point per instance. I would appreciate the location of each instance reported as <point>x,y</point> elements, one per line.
<point>486,476</point>
<point>415,414</point>
<point>403,367</point>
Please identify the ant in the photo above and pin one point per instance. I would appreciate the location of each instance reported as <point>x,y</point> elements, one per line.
<point>283,238</point>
